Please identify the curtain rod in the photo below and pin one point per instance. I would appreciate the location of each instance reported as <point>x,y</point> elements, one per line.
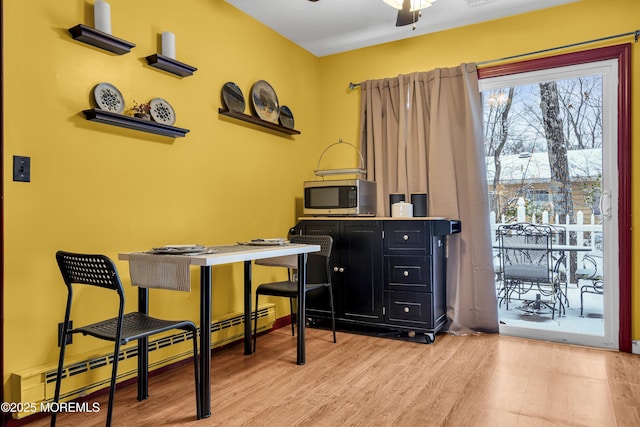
<point>635,33</point>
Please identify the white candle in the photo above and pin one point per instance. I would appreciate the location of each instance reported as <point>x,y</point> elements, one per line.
<point>169,44</point>
<point>102,16</point>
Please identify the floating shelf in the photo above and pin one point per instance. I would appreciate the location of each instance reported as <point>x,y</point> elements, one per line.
<point>100,39</point>
<point>256,121</point>
<point>170,65</point>
<point>115,119</point>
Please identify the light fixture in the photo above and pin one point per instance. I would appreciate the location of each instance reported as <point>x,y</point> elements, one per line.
<point>497,99</point>
<point>415,4</point>
<point>409,11</point>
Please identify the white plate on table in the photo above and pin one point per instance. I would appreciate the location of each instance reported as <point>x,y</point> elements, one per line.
<point>178,249</point>
<point>266,242</point>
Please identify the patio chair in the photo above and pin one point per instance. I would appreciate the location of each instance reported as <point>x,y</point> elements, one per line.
<point>529,271</point>
<point>592,272</point>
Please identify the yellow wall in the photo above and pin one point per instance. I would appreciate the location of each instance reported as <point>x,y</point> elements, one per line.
<point>103,189</point>
<point>99,188</point>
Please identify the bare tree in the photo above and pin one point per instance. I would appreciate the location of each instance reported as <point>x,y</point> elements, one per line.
<point>581,105</point>
<point>560,184</point>
<point>497,135</point>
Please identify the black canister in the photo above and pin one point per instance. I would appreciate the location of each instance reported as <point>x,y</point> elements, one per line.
<point>395,198</point>
<point>419,202</point>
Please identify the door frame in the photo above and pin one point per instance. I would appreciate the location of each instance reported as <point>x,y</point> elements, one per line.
<point>622,53</point>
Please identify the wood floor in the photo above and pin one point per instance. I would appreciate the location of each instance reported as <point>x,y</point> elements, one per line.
<point>482,380</point>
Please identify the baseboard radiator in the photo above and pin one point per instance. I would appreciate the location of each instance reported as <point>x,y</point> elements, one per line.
<point>83,375</point>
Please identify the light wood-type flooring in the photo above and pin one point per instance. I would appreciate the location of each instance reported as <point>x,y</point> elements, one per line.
<point>480,380</point>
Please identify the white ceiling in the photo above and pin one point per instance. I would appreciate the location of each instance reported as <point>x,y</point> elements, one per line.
<point>326,27</point>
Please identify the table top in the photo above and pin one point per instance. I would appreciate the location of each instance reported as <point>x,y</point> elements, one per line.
<point>227,254</point>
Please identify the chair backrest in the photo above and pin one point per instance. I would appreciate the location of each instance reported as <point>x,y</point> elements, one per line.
<point>317,262</point>
<point>325,242</point>
<point>526,252</point>
<point>94,270</point>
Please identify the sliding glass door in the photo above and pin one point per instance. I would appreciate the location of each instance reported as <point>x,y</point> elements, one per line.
<point>551,147</point>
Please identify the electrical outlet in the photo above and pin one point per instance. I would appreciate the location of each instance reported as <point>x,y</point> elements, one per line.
<point>22,168</point>
<point>69,337</point>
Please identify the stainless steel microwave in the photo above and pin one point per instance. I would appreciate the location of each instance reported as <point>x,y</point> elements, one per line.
<point>344,197</point>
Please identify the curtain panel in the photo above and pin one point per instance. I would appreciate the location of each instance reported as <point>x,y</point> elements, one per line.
<point>422,133</point>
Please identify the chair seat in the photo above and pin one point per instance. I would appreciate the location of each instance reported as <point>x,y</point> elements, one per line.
<point>286,288</point>
<point>134,326</point>
<point>589,273</point>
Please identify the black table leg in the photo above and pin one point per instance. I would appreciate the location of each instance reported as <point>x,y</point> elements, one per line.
<point>247,307</point>
<point>302,296</point>
<point>143,348</point>
<point>205,341</point>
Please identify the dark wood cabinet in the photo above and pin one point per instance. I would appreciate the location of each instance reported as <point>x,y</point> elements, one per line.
<point>387,273</point>
<point>357,271</point>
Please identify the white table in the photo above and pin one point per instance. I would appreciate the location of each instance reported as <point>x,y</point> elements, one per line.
<point>229,254</point>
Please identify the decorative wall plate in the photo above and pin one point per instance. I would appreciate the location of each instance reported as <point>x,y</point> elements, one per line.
<point>265,101</point>
<point>162,112</point>
<point>232,97</point>
<point>108,97</point>
<point>286,117</point>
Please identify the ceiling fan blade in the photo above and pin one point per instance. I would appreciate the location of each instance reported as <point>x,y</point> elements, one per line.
<point>405,16</point>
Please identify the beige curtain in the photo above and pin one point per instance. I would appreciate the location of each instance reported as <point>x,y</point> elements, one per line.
<point>422,133</point>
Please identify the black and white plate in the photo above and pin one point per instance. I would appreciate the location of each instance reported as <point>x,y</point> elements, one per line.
<point>233,98</point>
<point>162,111</point>
<point>108,97</point>
<point>286,117</point>
<point>265,101</point>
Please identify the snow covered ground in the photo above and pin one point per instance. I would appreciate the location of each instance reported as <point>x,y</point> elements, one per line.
<point>520,314</point>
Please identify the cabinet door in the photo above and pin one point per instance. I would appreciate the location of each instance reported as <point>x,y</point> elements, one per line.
<point>360,270</point>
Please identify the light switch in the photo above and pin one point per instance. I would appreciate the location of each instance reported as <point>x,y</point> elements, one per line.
<point>22,168</point>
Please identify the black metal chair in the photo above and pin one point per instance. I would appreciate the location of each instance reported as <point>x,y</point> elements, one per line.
<point>527,264</point>
<point>289,288</point>
<point>100,271</point>
<point>592,272</point>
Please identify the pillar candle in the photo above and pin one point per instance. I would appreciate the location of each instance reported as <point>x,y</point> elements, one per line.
<point>102,16</point>
<point>169,44</point>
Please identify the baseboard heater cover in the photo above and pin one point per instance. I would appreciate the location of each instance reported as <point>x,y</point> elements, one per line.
<point>84,375</point>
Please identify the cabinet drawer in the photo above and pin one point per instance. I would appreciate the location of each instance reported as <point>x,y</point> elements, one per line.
<point>410,308</point>
<point>407,237</point>
<point>408,273</point>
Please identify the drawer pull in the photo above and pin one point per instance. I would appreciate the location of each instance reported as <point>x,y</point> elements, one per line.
<point>406,273</point>
<point>405,237</point>
<point>406,309</point>
<point>338,269</point>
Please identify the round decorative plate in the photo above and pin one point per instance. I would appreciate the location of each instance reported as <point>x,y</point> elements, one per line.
<point>286,117</point>
<point>232,97</point>
<point>108,97</point>
<point>265,101</point>
<point>162,112</point>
